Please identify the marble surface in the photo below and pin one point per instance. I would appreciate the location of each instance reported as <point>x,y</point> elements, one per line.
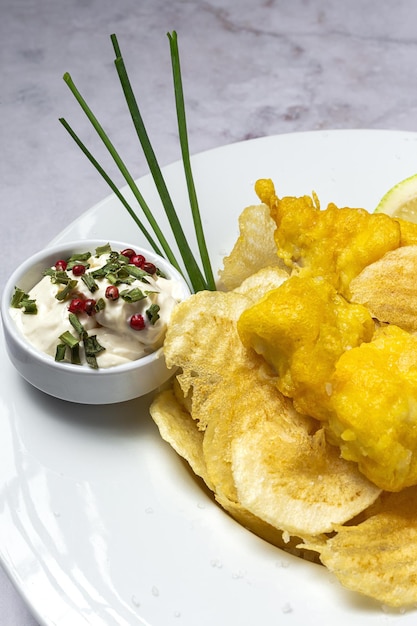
<point>249,69</point>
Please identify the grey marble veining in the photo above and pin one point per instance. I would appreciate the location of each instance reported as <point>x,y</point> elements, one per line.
<point>249,69</point>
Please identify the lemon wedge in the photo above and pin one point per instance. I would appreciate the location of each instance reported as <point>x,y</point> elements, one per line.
<point>401,200</point>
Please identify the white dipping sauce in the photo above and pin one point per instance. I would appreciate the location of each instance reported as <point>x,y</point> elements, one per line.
<point>111,325</point>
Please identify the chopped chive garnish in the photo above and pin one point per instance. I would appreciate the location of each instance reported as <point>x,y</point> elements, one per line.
<point>65,292</point>
<point>100,304</point>
<point>29,307</point>
<point>153,313</point>
<point>17,298</point>
<point>198,280</point>
<point>103,249</point>
<point>104,270</point>
<point>59,277</point>
<point>79,257</point>
<point>124,278</point>
<point>113,278</point>
<point>118,271</point>
<point>68,339</point>
<point>76,324</point>
<point>89,282</point>
<point>75,355</point>
<point>160,273</point>
<point>21,300</point>
<point>92,345</point>
<point>91,361</point>
<point>136,272</point>
<point>132,295</point>
<point>74,262</point>
<point>60,352</point>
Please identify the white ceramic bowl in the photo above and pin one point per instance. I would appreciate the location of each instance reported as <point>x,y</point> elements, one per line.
<point>78,383</point>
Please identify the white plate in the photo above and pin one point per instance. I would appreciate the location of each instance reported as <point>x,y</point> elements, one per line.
<point>100,522</point>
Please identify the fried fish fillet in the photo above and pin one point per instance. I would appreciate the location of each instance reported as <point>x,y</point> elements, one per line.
<point>334,243</point>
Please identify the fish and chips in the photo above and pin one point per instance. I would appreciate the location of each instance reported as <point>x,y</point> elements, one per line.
<point>295,398</point>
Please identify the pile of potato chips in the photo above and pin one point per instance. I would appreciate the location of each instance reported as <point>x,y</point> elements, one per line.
<point>269,466</point>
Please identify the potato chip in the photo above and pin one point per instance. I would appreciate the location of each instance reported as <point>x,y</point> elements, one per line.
<point>179,430</point>
<point>387,288</point>
<point>234,411</point>
<point>202,341</point>
<point>254,249</point>
<point>267,532</point>
<point>177,427</point>
<point>296,481</point>
<point>202,337</point>
<point>198,336</point>
<point>266,279</point>
<point>378,557</point>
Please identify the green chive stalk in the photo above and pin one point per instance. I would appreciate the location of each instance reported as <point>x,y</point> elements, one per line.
<point>183,135</point>
<point>183,246</point>
<point>197,278</point>
<point>122,167</point>
<point>112,185</point>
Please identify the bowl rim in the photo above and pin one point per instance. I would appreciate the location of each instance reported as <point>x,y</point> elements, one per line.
<point>67,248</point>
